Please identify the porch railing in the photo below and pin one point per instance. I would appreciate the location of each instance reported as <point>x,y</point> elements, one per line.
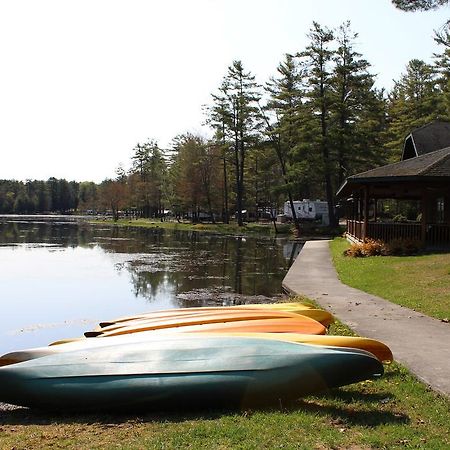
<point>355,228</point>
<point>437,234</point>
<point>389,231</point>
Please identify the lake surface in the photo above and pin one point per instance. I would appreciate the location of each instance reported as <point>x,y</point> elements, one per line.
<point>59,278</point>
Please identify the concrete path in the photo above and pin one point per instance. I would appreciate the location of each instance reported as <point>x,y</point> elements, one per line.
<point>418,342</point>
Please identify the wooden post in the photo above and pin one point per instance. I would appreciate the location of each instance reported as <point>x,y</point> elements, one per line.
<point>447,208</point>
<point>366,212</point>
<point>360,207</point>
<point>359,230</point>
<point>424,221</point>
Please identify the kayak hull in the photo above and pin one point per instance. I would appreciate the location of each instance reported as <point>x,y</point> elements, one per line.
<point>377,348</point>
<point>225,371</point>
<point>289,307</point>
<point>250,321</point>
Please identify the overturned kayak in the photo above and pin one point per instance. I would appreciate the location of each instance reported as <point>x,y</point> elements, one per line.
<point>381,351</point>
<point>292,307</point>
<point>324,317</point>
<point>181,371</point>
<point>215,320</point>
<point>303,325</point>
<point>377,348</point>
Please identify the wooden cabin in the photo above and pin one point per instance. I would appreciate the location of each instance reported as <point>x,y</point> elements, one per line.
<point>422,178</point>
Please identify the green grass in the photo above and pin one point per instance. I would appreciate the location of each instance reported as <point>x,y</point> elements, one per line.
<point>396,411</point>
<point>250,228</point>
<point>418,282</point>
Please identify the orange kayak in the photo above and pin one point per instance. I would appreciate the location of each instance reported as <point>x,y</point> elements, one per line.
<point>303,325</point>
<point>205,319</point>
<point>289,307</point>
<point>324,317</point>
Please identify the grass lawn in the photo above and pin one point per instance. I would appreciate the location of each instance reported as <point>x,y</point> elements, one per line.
<point>419,282</point>
<point>232,228</point>
<point>396,411</point>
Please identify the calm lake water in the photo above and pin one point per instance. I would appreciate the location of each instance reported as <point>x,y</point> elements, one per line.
<point>59,278</point>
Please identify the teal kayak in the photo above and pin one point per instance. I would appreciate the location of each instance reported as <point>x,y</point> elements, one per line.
<point>181,372</point>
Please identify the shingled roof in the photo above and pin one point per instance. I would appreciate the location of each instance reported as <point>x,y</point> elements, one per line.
<point>426,139</point>
<point>430,166</point>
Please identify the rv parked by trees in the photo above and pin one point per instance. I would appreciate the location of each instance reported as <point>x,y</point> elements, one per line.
<point>312,210</point>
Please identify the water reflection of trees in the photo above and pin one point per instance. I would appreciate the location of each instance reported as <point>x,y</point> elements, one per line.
<point>65,234</point>
<point>169,261</point>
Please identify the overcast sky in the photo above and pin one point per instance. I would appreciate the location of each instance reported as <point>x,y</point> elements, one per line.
<point>82,81</point>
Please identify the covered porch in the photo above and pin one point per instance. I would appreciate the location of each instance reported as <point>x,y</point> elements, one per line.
<point>423,183</point>
<point>435,234</point>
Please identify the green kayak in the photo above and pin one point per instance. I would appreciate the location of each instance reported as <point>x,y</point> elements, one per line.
<point>183,372</point>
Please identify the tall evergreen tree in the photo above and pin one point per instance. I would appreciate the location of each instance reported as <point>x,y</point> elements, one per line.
<point>43,197</point>
<point>285,103</point>
<point>317,60</point>
<point>217,118</point>
<point>149,165</point>
<point>442,67</point>
<point>357,109</point>
<point>413,102</point>
<point>237,102</point>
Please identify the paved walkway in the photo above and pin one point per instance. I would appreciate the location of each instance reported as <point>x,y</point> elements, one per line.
<point>418,342</point>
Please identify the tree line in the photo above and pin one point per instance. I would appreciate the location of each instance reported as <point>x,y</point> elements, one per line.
<point>318,120</point>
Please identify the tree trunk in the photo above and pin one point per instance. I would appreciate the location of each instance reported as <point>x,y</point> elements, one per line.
<point>283,173</point>
<point>226,217</point>
<point>238,182</point>
<point>326,158</point>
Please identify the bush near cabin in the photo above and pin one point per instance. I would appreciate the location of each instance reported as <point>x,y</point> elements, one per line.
<point>376,247</point>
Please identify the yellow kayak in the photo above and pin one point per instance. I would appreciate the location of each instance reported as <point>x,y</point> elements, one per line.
<point>237,317</point>
<point>324,317</point>
<point>378,349</point>
<point>381,351</point>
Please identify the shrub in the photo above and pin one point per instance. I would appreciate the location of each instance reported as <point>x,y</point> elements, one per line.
<point>403,246</point>
<point>355,251</point>
<point>373,247</point>
<point>370,247</point>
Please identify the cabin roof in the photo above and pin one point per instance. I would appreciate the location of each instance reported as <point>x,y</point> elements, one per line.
<point>429,138</point>
<point>430,166</point>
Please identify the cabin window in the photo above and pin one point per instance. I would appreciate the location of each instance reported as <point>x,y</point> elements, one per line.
<point>310,209</point>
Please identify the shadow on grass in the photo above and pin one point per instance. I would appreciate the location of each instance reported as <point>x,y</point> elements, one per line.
<point>352,408</point>
<point>355,408</point>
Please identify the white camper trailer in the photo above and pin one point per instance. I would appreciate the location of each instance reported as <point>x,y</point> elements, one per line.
<point>309,210</point>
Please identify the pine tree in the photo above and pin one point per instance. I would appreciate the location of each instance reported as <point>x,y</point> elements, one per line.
<point>285,104</point>
<point>216,118</point>
<point>317,60</point>
<point>357,109</point>
<point>442,67</point>
<point>149,167</point>
<point>237,104</point>
<point>413,102</point>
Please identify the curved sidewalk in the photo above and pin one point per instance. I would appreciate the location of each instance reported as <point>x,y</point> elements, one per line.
<point>417,341</point>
